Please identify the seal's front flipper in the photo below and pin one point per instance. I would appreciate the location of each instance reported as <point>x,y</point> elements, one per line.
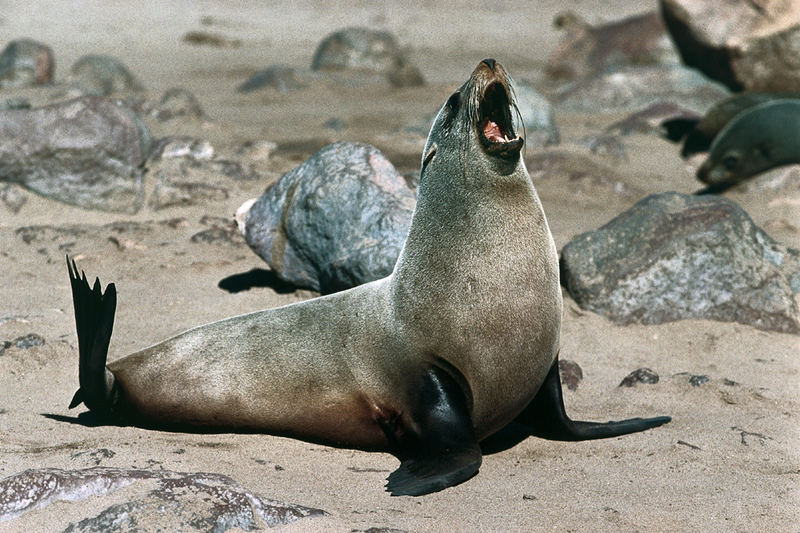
<point>546,418</point>
<point>440,448</point>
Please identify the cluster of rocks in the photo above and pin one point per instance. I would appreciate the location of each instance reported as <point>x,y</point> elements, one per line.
<point>156,500</point>
<point>347,55</point>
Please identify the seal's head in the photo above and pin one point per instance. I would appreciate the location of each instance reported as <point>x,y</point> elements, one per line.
<point>480,113</point>
<point>759,138</point>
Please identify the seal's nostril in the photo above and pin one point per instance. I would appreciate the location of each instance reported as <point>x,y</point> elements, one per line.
<point>489,63</point>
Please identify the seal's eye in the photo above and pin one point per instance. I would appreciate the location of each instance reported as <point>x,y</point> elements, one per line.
<point>730,162</point>
<point>429,155</point>
<point>454,102</point>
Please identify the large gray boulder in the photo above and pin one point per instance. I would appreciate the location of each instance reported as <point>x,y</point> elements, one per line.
<point>674,256</point>
<point>367,50</point>
<point>745,45</point>
<point>155,500</point>
<point>88,152</point>
<point>336,221</point>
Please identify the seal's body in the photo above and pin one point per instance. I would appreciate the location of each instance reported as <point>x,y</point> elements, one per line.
<point>758,139</point>
<point>461,339</point>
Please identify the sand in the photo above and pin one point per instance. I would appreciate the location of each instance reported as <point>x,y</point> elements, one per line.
<point>729,461</point>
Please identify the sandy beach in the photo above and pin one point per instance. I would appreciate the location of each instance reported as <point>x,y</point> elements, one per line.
<point>728,461</point>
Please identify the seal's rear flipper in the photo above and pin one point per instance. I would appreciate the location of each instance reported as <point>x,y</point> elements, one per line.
<point>546,418</point>
<point>94,320</point>
<point>441,450</point>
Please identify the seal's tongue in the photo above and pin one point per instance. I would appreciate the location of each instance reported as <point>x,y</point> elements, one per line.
<point>492,131</point>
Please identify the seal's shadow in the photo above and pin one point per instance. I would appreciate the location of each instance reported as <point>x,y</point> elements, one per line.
<point>257,277</point>
<point>506,438</point>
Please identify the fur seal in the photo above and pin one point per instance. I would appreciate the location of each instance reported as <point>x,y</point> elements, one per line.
<point>697,133</point>
<point>424,363</point>
<point>758,139</point>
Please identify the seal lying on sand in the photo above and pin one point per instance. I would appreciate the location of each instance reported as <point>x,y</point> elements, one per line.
<point>424,363</point>
<point>763,137</point>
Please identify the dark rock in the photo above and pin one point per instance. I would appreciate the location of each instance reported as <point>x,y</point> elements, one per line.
<point>204,38</point>
<point>88,152</point>
<point>537,116</point>
<point>28,341</point>
<point>336,221</point>
<point>176,102</point>
<point>571,373</point>
<point>640,375</point>
<point>220,231</point>
<point>696,381</point>
<point>12,197</point>
<point>102,75</point>
<point>335,124</point>
<point>745,45</point>
<point>25,62</point>
<point>277,77</point>
<point>160,500</point>
<point>637,87</point>
<point>363,49</point>
<point>4,345</point>
<point>15,103</point>
<point>588,50</point>
<point>674,256</point>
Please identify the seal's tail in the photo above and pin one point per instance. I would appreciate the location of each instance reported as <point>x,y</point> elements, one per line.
<point>94,319</point>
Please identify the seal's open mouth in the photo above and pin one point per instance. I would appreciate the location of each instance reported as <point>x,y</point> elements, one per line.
<point>495,127</point>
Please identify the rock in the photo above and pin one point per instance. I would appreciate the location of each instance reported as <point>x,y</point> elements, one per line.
<point>537,116</point>
<point>220,231</point>
<point>336,221</point>
<point>15,103</point>
<point>571,373</point>
<point>176,102</point>
<point>88,152</point>
<point>22,343</point>
<point>640,375</point>
<point>102,75</point>
<point>171,192</point>
<point>277,77</point>
<point>674,256</point>
<point>363,49</point>
<point>744,45</point>
<point>606,145</point>
<point>588,50</point>
<point>638,87</point>
<point>157,500</point>
<point>25,62</point>
<point>12,197</point>
<point>204,38</point>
